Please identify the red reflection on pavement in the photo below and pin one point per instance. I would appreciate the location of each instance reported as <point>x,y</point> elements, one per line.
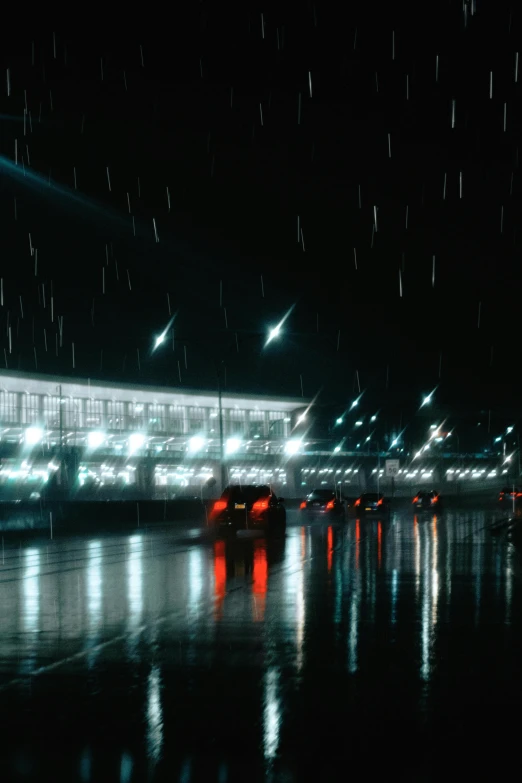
<point>220,578</point>
<point>357,542</point>
<point>303,542</point>
<point>330,548</point>
<point>260,581</point>
<point>379,543</point>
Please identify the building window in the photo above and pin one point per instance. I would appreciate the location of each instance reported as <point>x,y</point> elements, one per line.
<point>276,424</point>
<point>93,413</point>
<point>213,422</point>
<point>196,419</point>
<point>236,422</point>
<point>51,411</point>
<point>156,418</point>
<point>136,416</point>
<point>256,427</point>
<point>30,408</point>
<point>176,417</point>
<point>9,407</point>
<point>115,415</point>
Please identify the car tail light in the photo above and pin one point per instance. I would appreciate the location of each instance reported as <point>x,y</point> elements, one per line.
<point>358,502</point>
<point>330,504</point>
<point>519,494</point>
<point>435,499</point>
<point>303,504</point>
<point>260,505</point>
<point>415,499</point>
<point>379,502</point>
<point>220,505</point>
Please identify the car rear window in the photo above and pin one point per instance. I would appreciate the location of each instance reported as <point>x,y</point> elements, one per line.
<point>321,494</point>
<point>247,492</point>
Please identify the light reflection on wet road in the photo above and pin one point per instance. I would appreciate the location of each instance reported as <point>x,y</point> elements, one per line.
<point>167,655</point>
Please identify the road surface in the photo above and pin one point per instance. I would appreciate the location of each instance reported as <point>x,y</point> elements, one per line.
<point>388,646</point>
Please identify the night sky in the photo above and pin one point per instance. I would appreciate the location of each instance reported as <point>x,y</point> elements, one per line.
<point>265,147</point>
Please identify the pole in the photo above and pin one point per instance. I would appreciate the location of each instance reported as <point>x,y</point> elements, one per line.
<point>222,466</point>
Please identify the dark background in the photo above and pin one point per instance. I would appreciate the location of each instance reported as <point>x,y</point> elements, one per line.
<point>238,186</point>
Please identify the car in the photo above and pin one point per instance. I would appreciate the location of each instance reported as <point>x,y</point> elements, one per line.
<point>323,501</point>
<point>427,499</point>
<point>248,507</point>
<point>370,502</point>
<point>509,495</point>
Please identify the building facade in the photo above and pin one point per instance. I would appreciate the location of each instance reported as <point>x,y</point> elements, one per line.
<point>158,440</point>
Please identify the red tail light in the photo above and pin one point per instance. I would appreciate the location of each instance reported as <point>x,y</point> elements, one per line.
<point>358,502</point>
<point>415,499</point>
<point>435,499</point>
<point>330,504</point>
<point>379,502</point>
<point>303,504</point>
<point>260,505</point>
<point>220,505</point>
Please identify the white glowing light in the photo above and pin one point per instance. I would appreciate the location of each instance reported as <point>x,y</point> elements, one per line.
<point>233,445</point>
<point>196,443</point>
<point>33,435</point>
<point>292,446</point>
<point>95,439</point>
<point>274,333</point>
<point>136,441</point>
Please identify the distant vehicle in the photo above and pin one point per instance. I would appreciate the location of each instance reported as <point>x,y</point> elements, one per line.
<point>248,507</point>
<point>509,495</point>
<point>427,499</point>
<point>371,502</point>
<point>323,501</point>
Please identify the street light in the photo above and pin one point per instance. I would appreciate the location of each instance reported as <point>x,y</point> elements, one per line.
<point>195,443</point>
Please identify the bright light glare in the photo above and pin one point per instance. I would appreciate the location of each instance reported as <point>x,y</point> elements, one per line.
<point>233,445</point>
<point>136,441</point>
<point>373,418</point>
<point>433,426</point>
<point>358,423</point>
<point>292,446</point>
<point>95,439</point>
<point>196,443</point>
<point>161,337</point>
<point>33,435</point>
<point>509,429</point>
<point>274,333</point>
<point>339,420</point>
<point>497,440</point>
<point>337,449</point>
<point>426,400</point>
<point>394,442</point>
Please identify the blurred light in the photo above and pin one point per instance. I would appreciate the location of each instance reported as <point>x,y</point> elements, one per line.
<point>337,448</point>
<point>274,333</point>
<point>33,435</point>
<point>497,440</point>
<point>433,426</point>
<point>292,446</point>
<point>136,441</point>
<point>160,339</point>
<point>196,443</point>
<point>368,438</point>
<point>339,420</point>
<point>301,418</point>
<point>95,439</point>
<point>509,429</point>
<point>373,418</point>
<point>355,403</point>
<point>233,445</point>
<point>358,423</point>
<point>426,400</point>
<point>394,442</point>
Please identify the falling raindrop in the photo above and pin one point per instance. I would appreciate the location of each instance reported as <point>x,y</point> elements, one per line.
<point>433,273</point>
<point>155,229</point>
<point>355,257</point>
<point>262,287</point>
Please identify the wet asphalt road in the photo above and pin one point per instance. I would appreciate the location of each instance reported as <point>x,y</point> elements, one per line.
<point>372,647</point>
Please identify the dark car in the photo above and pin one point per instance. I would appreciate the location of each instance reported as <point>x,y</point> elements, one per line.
<point>371,502</point>
<point>323,501</point>
<point>248,507</point>
<point>510,495</point>
<point>427,499</point>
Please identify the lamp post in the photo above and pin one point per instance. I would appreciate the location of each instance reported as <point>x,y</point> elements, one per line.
<point>273,334</point>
